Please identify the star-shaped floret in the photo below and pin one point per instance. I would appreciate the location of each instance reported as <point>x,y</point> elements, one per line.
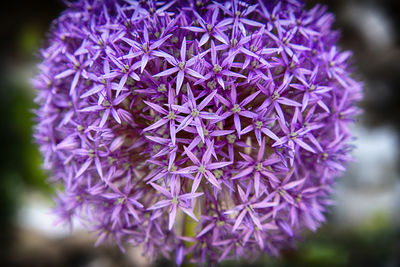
<point>195,113</point>
<point>203,167</point>
<point>181,65</point>
<point>174,199</point>
<point>248,207</point>
<point>211,28</point>
<point>218,71</point>
<point>259,168</point>
<point>170,116</point>
<point>236,110</point>
<point>143,50</point>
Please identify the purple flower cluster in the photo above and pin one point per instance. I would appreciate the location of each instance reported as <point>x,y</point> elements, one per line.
<point>206,129</point>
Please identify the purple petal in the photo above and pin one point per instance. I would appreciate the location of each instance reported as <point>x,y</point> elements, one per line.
<point>160,204</point>
<point>194,74</point>
<point>64,74</point>
<point>237,123</point>
<point>172,216</point>
<point>206,100</point>
<point>189,212</point>
<point>156,125</point>
<point>183,50</point>
<point>167,72</point>
<point>194,29</point>
<point>293,184</point>
<point>269,133</point>
<point>179,81</point>
<point>211,178</point>
<point>239,219</point>
<point>243,173</point>
<point>74,83</point>
<point>304,145</point>
<point>191,156</point>
<point>84,167</point>
<point>288,102</point>
<point>156,107</point>
<point>218,165</point>
<point>145,59</point>
<point>158,43</point>
<point>204,39</point>
<point>94,90</point>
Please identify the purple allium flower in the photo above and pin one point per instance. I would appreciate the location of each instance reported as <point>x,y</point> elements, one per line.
<point>205,130</point>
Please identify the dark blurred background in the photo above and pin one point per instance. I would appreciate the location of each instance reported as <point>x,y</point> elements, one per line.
<point>363,229</point>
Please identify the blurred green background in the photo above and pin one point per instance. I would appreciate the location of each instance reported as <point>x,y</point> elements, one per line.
<point>362,229</point>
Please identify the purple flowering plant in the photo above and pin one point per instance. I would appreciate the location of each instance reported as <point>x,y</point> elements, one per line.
<point>209,130</point>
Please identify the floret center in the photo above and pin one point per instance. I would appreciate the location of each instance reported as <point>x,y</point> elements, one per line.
<point>91,153</point>
<point>231,138</point>
<point>195,113</point>
<point>275,95</point>
<point>217,68</point>
<point>212,85</point>
<point>181,65</point>
<point>161,88</point>
<point>218,173</point>
<point>173,168</point>
<point>220,223</point>
<point>259,167</point>
<point>234,42</point>
<point>202,169</point>
<point>145,47</point>
<point>253,48</point>
<point>106,104</point>
<point>174,201</point>
<point>171,115</point>
<point>236,108</point>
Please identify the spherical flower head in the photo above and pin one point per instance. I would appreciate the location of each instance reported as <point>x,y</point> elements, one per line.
<point>206,130</point>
